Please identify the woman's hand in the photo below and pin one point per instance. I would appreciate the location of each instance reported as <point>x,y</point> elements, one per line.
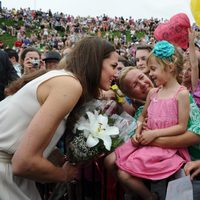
<point>28,63</point>
<point>71,171</point>
<point>192,168</point>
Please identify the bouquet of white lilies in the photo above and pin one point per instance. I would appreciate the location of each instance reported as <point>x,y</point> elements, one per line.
<point>98,132</point>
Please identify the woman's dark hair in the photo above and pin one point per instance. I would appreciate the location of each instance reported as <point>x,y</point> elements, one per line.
<point>85,62</point>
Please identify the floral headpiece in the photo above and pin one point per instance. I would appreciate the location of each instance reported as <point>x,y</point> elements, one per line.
<point>164,49</point>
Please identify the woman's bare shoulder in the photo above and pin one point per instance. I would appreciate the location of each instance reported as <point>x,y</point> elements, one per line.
<point>60,86</point>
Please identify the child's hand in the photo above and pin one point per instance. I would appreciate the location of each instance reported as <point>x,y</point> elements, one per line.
<point>147,137</point>
<point>134,140</point>
<point>191,35</point>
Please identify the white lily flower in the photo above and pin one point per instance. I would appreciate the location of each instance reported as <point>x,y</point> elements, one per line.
<point>96,127</point>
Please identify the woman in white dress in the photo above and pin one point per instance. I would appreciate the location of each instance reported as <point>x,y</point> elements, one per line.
<point>33,119</point>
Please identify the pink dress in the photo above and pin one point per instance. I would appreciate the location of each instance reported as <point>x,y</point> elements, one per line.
<point>149,162</point>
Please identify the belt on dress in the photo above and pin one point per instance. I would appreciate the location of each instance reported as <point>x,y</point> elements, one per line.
<point>5,157</point>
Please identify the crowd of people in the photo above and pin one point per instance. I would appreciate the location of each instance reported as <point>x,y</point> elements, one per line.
<point>46,78</point>
<point>58,30</point>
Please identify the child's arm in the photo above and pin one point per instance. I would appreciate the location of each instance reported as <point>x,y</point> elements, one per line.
<point>193,60</point>
<point>183,116</point>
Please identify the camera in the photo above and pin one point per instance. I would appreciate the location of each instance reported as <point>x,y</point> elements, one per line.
<point>35,63</point>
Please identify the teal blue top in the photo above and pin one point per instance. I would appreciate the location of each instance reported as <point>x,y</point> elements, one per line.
<point>194,126</point>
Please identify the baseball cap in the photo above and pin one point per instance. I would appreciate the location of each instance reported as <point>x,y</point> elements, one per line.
<point>52,55</point>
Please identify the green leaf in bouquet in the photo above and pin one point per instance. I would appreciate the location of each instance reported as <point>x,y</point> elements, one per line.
<point>111,121</point>
<point>117,141</point>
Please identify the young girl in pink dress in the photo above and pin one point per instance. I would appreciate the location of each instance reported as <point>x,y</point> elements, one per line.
<point>167,113</point>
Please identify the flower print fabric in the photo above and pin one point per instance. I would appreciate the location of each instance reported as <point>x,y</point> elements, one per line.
<point>196,94</point>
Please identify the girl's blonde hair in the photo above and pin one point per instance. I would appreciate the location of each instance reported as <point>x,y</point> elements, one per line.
<point>176,59</point>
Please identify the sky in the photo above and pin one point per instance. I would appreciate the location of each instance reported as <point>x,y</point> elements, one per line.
<point>135,8</point>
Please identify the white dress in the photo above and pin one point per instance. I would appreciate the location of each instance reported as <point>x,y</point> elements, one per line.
<point>16,112</point>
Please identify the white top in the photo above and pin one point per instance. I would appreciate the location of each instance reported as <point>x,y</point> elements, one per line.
<point>16,115</point>
<point>16,112</point>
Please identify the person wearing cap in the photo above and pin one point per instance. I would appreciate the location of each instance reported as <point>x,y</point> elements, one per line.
<point>51,59</point>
